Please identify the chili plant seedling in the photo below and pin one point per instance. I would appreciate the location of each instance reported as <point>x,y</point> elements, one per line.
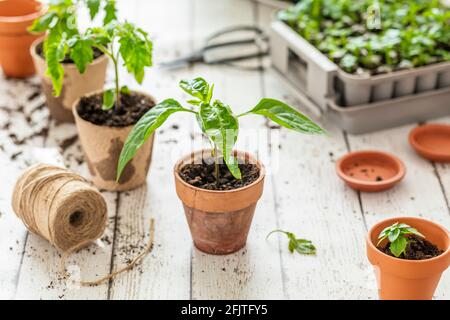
<point>397,236</point>
<point>64,37</point>
<point>302,246</point>
<point>216,120</point>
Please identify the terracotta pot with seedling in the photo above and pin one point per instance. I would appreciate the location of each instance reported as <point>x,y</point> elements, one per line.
<point>219,188</point>
<point>409,256</point>
<point>105,118</point>
<point>67,61</point>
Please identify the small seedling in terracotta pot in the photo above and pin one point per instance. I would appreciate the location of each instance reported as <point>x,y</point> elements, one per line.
<point>67,61</point>
<point>219,188</point>
<point>408,260</point>
<point>105,118</point>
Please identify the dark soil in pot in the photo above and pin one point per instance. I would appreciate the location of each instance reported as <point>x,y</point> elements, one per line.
<point>417,249</point>
<point>67,59</point>
<point>133,106</point>
<point>202,175</point>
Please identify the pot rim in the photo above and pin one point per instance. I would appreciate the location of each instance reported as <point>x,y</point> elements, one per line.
<point>262,172</point>
<point>419,147</point>
<point>28,17</point>
<point>404,261</point>
<point>396,178</point>
<point>68,65</point>
<point>76,102</point>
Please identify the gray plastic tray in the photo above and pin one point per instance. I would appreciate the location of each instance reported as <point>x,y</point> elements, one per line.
<point>359,104</point>
<point>319,77</point>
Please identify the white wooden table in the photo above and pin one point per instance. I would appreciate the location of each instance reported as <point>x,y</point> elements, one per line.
<point>303,196</point>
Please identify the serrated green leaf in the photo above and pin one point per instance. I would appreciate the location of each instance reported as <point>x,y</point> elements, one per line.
<point>94,7</point>
<point>198,88</point>
<point>285,116</point>
<point>43,23</point>
<point>55,53</point>
<point>110,11</point>
<point>221,127</point>
<point>109,97</point>
<point>149,122</point>
<point>302,246</point>
<point>81,52</point>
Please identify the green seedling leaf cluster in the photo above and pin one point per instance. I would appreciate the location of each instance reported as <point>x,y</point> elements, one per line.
<point>374,36</point>
<point>216,120</point>
<point>65,39</point>
<point>301,246</point>
<point>397,236</point>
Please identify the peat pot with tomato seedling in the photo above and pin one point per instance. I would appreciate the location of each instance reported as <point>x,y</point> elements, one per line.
<point>409,256</point>
<point>220,187</point>
<point>15,40</point>
<point>105,118</point>
<point>67,60</point>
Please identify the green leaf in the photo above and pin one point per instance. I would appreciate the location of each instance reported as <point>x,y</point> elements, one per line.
<point>81,52</point>
<point>125,90</point>
<point>109,97</point>
<point>285,116</point>
<point>55,53</point>
<point>302,246</point>
<point>198,88</point>
<point>94,7</point>
<point>135,49</point>
<point>398,246</point>
<point>43,23</point>
<point>222,127</point>
<point>394,235</point>
<point>149,122</point>
<point>414,231</point>
<point>194,102</point>
<point>110,11</point>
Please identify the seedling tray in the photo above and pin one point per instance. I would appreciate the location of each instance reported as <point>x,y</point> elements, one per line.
<point>360,104</point>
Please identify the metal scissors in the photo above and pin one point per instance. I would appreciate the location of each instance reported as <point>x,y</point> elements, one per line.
<point>228,52</point>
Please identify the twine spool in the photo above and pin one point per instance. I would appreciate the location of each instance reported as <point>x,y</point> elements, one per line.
<point>64,209</point>
<point>59,206</point>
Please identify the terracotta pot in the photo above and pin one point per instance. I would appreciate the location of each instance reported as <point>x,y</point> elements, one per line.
<point>432,141</point>
<point>400,279</point>
<point>75,84</point>
<point>15,40</point>
<point>370,171</point>
<point>102,146</point>
<point>219,221</point>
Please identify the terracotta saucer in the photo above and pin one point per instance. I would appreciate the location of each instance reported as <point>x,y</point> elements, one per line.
<point>370,171</point>
<point>432,141</point>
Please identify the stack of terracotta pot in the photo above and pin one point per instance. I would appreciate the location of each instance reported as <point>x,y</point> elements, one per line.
<point>15,40</point>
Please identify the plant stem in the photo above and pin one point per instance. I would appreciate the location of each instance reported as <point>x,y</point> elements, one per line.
<point>216,165</point>
<point>116,71</point>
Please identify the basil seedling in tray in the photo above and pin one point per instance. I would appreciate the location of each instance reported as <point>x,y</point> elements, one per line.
<point>64,39</point>
<point>216,120</point>
<point>373,37</point>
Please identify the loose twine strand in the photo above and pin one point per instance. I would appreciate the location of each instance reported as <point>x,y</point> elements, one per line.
<point>64,209</point>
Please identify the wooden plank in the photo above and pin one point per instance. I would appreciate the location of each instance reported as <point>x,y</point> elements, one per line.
<point>420,193</point>
<point>240,275</point>
<point>169,262</point>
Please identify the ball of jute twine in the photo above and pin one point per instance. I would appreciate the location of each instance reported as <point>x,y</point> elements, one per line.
<point>64,209</point>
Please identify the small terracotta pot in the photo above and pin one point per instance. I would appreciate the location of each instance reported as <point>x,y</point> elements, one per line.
<point>370,171</point>
<point>219,221</point>
<point>75,84</point>
<point>15,40</point>
<point>400,279</point>
<point>102,146</point>
<point>432,141</point>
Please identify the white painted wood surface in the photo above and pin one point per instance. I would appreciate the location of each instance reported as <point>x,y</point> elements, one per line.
<point>302,192</point>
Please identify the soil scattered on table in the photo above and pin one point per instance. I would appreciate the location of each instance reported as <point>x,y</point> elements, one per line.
<point>132,108</point>
<point>202,175</point>
<point>417,249</point>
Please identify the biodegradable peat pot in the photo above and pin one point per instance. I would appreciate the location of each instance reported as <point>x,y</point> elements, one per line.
<point>15,40</point>
<point>400,279</point>
<point>75,84</point>
<point>102,146</point>
<point>219,221</point>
